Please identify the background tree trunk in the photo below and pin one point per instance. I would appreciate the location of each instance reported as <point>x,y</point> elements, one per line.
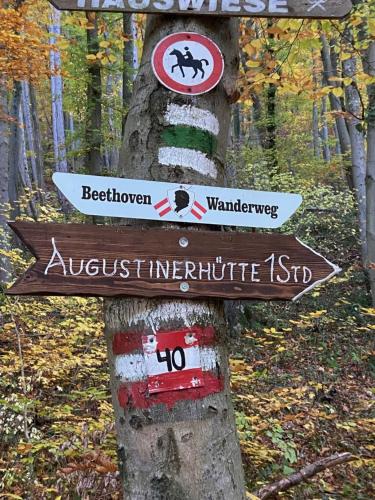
<point>357,139</point>
<point>32,140</point>
<point>94,99</point>
<point>58,128</point>
<point>189,451</point>
<point>15,151</point>
<point>4,181</point>
<point>130,63</point>
<point>331,72</point>
<point>325,132</point>
<point>369,66</point>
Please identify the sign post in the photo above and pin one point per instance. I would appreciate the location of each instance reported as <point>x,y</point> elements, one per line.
<point>167,343</point>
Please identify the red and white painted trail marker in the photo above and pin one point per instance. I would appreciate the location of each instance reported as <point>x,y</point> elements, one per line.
<point>166,366</point>
<point>188,63</point>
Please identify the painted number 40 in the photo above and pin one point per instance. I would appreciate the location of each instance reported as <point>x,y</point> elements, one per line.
<point>170,358</point>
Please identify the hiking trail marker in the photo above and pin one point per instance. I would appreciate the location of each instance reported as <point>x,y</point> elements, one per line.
<point>188,63</point>
<point>316,9</point>
<point>163,201</point>
<point>83,259</point>
<point>166,366</point>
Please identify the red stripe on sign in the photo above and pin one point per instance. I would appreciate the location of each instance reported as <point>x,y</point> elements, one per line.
<point>125,343</point>
<point>164,212</point>
<point>137,395</point>
<point>204,335</point>
<point>196,214</point>
<point>161,203</point>
<point>169,381</point>
<point>201,208</point>
<point>188,337</point>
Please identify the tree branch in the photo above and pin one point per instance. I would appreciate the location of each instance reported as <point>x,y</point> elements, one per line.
<point>304,474</point>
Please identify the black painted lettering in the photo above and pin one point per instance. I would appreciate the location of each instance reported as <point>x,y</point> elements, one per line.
<point>86,193</point>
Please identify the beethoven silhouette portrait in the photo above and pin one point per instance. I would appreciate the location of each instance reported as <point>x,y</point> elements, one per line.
<point>181,199</point>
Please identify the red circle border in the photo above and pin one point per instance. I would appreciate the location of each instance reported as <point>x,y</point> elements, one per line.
<point>200,88</point>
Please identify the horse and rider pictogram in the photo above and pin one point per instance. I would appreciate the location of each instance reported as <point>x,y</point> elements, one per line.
<point>187,61</point>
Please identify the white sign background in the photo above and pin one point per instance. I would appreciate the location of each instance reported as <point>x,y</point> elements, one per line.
<point>71,185</point>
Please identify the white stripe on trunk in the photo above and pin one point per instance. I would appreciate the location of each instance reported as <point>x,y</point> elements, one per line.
<point>188,158</point>
<point>192,117</point>
<point>132,367</point>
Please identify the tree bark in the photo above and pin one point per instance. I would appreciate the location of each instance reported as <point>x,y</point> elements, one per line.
<point>94,99</point>
<point>330,72</point>
<point>32,141</point>
<point>14,150</point>
<point>357,140</point>
<point>325,132</point>
<point>369,67</point>
<point>189,450</point>
<point>5,266</point>
<point>37,137</point>
<point>59,146</point>
<point>130,63</point>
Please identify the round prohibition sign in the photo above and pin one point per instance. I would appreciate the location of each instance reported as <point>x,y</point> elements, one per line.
<point>188,63</point>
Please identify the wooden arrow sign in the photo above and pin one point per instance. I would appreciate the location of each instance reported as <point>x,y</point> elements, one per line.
<point>317,9</point>
<point>80,259</point>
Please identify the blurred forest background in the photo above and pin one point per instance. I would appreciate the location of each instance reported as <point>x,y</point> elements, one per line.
<point>302,374</point>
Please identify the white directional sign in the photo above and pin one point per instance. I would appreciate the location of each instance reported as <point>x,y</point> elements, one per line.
<point>137,199</point>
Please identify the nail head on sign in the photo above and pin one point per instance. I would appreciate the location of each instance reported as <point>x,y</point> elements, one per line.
<point>184,242</point>
<point>184,287</point>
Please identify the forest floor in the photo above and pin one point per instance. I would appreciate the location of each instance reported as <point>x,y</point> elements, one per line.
<point>302,379</point>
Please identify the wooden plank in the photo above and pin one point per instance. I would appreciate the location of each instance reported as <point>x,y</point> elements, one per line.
<point>316,9</point>
<point>82,259</point>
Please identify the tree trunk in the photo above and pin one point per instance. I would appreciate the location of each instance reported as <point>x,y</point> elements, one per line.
<point>57,96</point>
<point>316,135</point>
<point>130,63</point>
<point>271,127</point>
<point>329,72</point>
<point>369,66</point>
<point>31,139</point>
<point>59,147</point>
<point>325,133</point>
<point>357,139</point>
<point>37,137</point>
<point>315,110</point>
<point>5,266</point>
<point>187,449</point>
<point>94,99</point>
<point>15,188</point>
<point>23,166</point>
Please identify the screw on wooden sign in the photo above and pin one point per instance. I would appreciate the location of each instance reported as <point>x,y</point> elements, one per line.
<point>315,9</point>
<point>76,259</point>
